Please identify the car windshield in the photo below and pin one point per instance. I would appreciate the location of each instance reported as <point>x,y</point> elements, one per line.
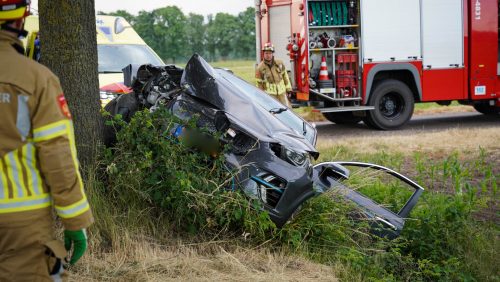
<point>113,58</point>
<point>288,117</point>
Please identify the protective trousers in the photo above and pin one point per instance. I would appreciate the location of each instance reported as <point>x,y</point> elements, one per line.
<point>30,252</point>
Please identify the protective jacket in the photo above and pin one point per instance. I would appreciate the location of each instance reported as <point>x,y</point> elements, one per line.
<point>273,78</point>
<point>39,169</point>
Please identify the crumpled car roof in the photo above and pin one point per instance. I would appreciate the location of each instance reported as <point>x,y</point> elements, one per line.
<point>237,99</point>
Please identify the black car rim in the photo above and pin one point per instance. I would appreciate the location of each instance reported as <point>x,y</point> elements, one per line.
<point>391,105</point>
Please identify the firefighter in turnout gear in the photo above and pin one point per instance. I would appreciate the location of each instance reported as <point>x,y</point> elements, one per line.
<point>38,164</point>
<point>271,76</point>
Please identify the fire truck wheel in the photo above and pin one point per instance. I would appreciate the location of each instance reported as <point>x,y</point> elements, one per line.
<point>486,109</point>
<point>342,118</point>
<point>393,101</point>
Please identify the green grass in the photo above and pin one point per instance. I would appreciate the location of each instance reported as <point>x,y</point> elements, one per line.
<point>159,189</point>
<point>243,69</point>
<point>426,106</point>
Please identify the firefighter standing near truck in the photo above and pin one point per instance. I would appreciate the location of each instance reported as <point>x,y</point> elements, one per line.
<point>38,164</point>
<point>271,76</point>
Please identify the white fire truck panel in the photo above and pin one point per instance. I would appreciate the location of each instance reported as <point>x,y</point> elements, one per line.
<point>280,30</point>
<point>390,30</point>
<point>442,33</point>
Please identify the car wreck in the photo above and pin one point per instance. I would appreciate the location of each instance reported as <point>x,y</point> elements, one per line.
<point>269,147</point>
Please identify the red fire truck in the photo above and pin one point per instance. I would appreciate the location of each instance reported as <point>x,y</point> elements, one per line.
<point>383,56</point>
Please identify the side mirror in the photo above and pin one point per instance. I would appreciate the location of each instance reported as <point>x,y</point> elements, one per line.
<point>130,74</point>
<point>127,75</point>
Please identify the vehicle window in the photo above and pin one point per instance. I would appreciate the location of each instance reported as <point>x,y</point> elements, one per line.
<point>287,117</point>
<point>113,58</point>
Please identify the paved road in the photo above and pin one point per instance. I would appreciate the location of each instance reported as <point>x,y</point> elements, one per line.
<point>417,124</point>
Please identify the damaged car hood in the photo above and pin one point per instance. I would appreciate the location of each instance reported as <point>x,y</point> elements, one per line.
<point>248,107</point>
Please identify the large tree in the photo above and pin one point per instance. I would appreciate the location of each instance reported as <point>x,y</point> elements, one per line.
<point>245,39</point>
<point>144,25</point>
<point>170,31</point>
<point>195,35</point>
<point>224,29</point>
<point>69,48</point>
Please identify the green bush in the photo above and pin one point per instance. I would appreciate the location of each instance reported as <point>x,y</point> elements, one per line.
<point>192,190</point>
<point>153,179</point>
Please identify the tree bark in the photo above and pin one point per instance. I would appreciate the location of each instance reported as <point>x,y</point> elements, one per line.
<point>69,49</point>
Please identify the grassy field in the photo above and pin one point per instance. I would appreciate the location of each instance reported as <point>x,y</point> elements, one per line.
<point>243,69</point>
<point>140,232</point>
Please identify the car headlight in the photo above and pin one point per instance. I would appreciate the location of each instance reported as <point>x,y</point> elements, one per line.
<point>297,158</point>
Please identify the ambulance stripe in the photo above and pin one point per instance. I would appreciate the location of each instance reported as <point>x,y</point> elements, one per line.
<point>13,172</point>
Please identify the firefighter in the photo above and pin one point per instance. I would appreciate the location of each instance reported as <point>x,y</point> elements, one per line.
<point>38,164</point>
<point>271,76</point>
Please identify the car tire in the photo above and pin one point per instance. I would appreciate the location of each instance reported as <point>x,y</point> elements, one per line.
<point>394,103</point>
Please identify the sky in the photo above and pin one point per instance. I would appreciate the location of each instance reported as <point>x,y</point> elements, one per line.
<point>202,7</point>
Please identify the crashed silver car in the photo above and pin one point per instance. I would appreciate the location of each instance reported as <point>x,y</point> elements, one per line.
<point>270,148</point>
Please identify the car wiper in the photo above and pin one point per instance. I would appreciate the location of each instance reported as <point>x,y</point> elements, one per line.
<point>277,110</point>
<point>110,72</point>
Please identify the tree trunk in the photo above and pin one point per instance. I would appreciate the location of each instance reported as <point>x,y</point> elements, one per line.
<point>69,49</point>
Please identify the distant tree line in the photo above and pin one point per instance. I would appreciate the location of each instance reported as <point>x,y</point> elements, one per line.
<point>175,36</point>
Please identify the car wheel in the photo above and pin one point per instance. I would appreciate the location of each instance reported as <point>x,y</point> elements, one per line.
<point>394,103</point>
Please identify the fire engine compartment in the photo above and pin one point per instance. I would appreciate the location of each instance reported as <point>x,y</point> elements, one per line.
<point>334,38</point>
<point>373,60</point>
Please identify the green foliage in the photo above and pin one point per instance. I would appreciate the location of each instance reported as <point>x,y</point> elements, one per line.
<point>170,32</point>
<point>175,36</point>
<point>190,189</point>
<point>195,34</point>
<point>153,177</point>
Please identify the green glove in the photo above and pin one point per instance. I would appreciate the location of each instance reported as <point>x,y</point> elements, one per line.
<point>77,239</point>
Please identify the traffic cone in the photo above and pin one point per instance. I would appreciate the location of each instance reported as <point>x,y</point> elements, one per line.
<point>323,70</point>
<point>324,83</point>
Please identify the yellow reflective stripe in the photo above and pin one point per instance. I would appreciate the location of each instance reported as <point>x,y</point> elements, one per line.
<point>52,130</point>
<point>21,200</point>
<point>34,179</point>
<point>4,188</point>
<point>73,210</point>
<point>72,145</point>
<point>13,14</point>
<point>23,170</point>
<point>25,204</point>
<point>276,89</point>
<point>281,87</point>
<point>13,171</point>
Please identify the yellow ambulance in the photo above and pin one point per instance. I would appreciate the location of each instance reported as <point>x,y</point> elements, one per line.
<point>117,46</point>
